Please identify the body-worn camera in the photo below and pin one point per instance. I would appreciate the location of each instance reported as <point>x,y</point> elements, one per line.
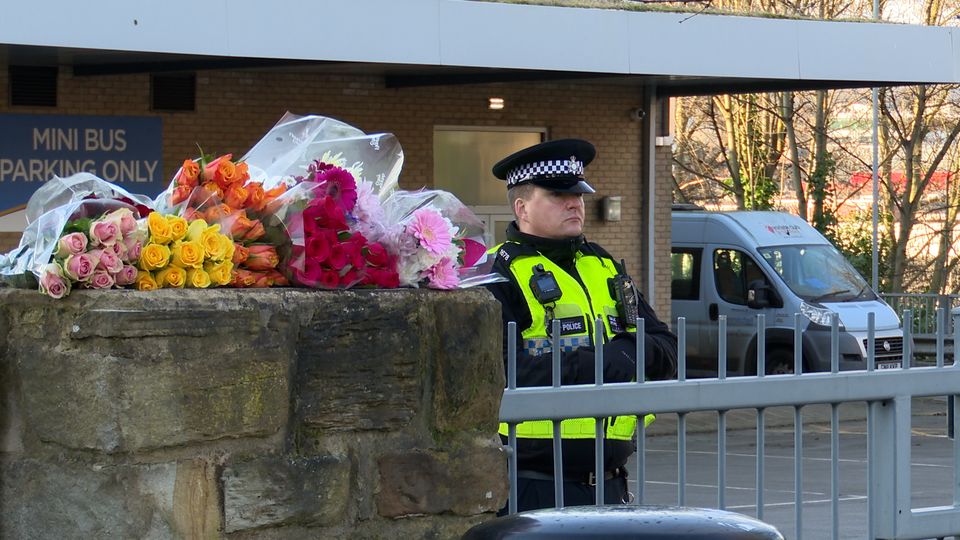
<point>624,292</point>
<point>544,286</point>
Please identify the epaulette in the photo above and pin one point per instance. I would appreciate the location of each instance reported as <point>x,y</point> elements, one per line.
<point>508,251</point>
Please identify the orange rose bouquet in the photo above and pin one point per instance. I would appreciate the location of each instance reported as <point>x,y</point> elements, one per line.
<point>220,191</point>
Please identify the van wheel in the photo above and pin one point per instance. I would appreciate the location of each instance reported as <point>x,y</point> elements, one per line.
<point>779,361</point>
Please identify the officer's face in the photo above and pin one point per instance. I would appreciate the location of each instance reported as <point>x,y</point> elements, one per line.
<point>551,214</point>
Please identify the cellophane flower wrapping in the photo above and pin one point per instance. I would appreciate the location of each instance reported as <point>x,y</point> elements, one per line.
<point>437,240</point>
<point>326,222</point>
<point>288,150</point>
<point>346,222</point>
<point>81,231</point>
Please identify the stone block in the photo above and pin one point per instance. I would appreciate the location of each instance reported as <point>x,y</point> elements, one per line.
<point>359,360</point>
<point>468,378</point>
<point>277,491</point>
<point>195,503</point>
<point>468,479</point>
<point>11,438</point>
<point>116,382</point>
<point>52,500</point>
<point>122,408</point>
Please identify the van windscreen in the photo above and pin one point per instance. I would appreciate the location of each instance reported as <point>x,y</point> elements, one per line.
<point>817,273</point>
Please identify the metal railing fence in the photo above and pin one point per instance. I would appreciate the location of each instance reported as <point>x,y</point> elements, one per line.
<point>887,393</point>
<point>924,307</point>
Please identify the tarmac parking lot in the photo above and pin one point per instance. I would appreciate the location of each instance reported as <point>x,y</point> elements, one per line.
<point>931,458</point>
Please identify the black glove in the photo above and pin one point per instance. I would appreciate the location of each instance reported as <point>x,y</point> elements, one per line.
<point>620,359</point>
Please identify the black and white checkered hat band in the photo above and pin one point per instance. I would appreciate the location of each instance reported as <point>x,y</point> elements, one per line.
<point>544,169</point>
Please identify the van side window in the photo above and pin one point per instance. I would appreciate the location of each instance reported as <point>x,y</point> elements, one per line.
<point>685,274</point>
<point>733,271</point>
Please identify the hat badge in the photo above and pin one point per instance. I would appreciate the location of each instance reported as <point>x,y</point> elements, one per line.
<point>575,166</point>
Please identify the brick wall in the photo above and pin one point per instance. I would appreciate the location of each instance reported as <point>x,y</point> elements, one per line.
<point>235,108</point>
<point>662,229</point>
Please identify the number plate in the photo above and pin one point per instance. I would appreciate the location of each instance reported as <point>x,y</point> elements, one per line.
<point>888,365</point>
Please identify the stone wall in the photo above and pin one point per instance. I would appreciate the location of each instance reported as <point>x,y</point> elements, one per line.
<point>249,414</point>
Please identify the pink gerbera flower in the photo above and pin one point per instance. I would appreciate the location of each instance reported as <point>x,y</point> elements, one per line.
<point>432,230</point>
<point>339,185</point>
<point>442,275</point>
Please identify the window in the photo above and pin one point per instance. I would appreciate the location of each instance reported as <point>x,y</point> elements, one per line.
<point>173,92</point>
<point>733,272</point>
<point>462,160</point>
<point>685,274</point>
<point>817,272</point>
<point>34,86</point>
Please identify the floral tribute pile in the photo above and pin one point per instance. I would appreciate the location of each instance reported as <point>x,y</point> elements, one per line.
<point>292,212</point>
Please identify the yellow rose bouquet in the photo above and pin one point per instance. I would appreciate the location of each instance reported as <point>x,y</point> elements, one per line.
<point>180,253</point>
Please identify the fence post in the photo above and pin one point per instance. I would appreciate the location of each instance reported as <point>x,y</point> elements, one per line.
<point>889,504</point>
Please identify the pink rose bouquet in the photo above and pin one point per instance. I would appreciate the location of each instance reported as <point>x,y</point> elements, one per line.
<point>74,223</point>
<point>95,252</point>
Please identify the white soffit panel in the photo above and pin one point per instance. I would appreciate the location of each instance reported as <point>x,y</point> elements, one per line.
<point>176,26</point>
<point>697,45</point>
<point>337,30</point>
<point>955,41</point>
<point>875,52</point>
<point>387,31</point>
<point>532,37</point>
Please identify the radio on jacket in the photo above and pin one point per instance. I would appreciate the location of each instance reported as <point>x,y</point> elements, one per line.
<point>625,293</point>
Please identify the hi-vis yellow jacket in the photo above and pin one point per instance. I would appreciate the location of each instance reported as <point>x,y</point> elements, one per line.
<point>576,309</point>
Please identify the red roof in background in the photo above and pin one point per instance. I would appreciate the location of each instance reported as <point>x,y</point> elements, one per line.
<point>860,179</point>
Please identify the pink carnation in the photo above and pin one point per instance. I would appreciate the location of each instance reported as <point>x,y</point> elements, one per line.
<point>369,212</point>
<point>432,230</point>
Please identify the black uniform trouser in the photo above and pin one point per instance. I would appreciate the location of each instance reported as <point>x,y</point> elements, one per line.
<point>533,494</point>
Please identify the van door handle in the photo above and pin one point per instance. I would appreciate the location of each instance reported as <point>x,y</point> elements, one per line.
<point>714,312</point>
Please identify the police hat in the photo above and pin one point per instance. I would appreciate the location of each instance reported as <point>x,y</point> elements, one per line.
<point>554,165</point>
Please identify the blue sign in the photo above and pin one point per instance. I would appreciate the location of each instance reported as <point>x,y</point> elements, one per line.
<point>125,150</point>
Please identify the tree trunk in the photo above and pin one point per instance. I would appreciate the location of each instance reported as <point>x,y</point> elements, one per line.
<point>733,160</point>
<point>794,154</point>
<point>819,177</point>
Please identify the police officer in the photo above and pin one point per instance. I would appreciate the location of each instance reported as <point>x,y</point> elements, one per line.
<point>554,273</point>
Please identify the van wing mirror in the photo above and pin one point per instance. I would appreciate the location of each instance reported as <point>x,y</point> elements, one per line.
<point>760,295</point>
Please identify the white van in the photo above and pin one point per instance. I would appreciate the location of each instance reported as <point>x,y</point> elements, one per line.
<point>741,264</point>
